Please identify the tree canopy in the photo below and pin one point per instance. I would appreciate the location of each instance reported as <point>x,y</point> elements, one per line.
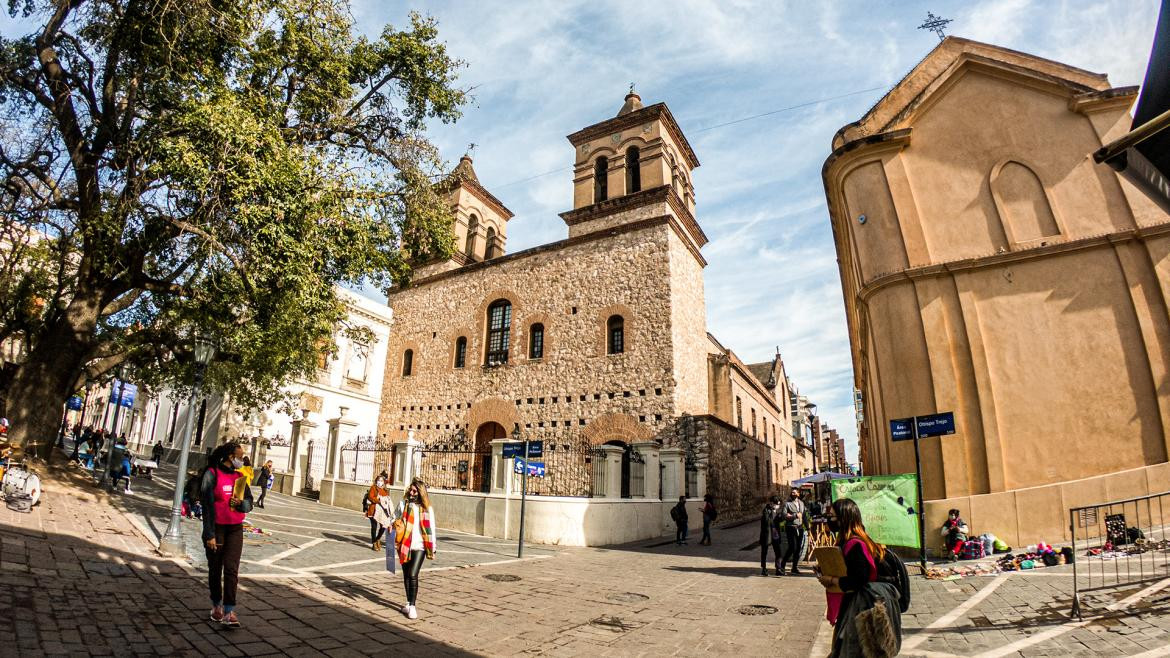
<point>174,166</point>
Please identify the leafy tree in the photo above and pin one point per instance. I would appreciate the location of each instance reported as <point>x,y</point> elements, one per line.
<point>174,166</point>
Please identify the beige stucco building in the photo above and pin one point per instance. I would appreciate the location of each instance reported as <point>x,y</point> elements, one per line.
<point>596,345</point>
<point>990,268</point>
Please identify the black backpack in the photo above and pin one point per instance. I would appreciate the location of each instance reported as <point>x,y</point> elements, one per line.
<point>891,570</point>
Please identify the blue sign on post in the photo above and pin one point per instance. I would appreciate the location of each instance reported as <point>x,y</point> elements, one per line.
<point>73,403</point>
<point>514,449</point>
<point>902,429</point>
<point>535,449</point>
<point>936,425</point>
<point>535,469</point>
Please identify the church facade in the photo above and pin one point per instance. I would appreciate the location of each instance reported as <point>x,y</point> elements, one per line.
<point>595,345</point>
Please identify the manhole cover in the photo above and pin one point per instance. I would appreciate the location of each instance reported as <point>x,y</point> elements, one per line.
<point>753,610</point>
<point>628,597</point>
<point>502,577</point>
<point>615,624</point>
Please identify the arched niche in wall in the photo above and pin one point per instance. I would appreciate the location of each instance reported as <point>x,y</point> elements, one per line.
<point>1022,202</point>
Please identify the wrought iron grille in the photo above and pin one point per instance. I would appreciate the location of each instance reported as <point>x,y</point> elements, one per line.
<point>364,457</point>
<point>568,470</point>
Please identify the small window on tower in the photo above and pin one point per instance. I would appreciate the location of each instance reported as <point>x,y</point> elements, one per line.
<point>460,354</point>
<point>536,342</point>
<point>600,171</point>
<point>490,250</point>
<point>407,362</point>
<point>616,333</point>
<point>633,173</point>
<point>472,229</point>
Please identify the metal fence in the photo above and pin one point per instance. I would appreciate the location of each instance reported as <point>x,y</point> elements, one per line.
<point>362,458</point>
<point>569,470</point>
<point>1118,543</point>
<point>457,467</point>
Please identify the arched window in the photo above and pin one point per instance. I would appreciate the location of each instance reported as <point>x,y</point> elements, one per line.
<point>460,352</point>
<point>472,229</point>
<point>407,362</point>
<point>536,341</point>
<point>633,173</point>
<point>739,413</point>
<point>499,320</point>
<point>600,172</point>
<point>490,248</point>
<point>616,333</point>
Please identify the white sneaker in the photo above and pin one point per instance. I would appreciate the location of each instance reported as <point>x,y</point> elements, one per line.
<point>412,612</point>
<point>405,609</point>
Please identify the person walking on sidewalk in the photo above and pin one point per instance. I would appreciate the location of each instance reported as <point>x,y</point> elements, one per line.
<point>709,515</point>
<point>265,482</point>
<point>793,517</point>
<point>417,522</point>
<point>678,514</point>
<point>224,507</point>
<point>377,491</point>
<point>156,453</point>
<point>770,534</point>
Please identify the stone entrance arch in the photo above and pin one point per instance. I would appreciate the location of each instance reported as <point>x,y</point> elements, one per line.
<point>482,467</point>
<point>620,427</point>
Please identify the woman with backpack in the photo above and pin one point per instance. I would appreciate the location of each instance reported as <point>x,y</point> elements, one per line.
<point>370,505</point>
<point>864,607</point>
<point>225,502</point>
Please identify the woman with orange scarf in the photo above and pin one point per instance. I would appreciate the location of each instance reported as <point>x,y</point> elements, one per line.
<point>416,524</point>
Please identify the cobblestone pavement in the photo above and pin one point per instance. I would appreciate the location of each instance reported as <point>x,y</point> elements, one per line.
<point>78,577</point>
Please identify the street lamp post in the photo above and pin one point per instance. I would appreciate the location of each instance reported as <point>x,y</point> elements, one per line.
<point>172,541</point>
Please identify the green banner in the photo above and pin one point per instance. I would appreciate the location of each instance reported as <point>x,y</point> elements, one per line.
<point>888,506</point>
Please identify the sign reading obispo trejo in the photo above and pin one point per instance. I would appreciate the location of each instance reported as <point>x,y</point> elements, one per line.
<point>888,506</point>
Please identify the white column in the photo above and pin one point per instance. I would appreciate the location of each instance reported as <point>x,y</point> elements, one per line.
<point>650,454</point>
<point>673,482</point>
<point>612,456</point>
<point>302,432</point>
<point>501,468</point>
<point>407,458</point>
<point>341,430</point>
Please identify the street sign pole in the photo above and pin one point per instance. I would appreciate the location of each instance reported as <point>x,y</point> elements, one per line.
<point>921,515</point>
<point>523,499</point>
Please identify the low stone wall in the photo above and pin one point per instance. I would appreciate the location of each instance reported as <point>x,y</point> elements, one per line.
<point>558,520</point>
<point>1027,516</point>
<point>342,493</point>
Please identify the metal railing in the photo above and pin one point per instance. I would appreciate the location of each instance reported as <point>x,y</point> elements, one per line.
<point>569,470</point>
<point>362,458</point>
<point>456,467</point>
<point>1121,542</point>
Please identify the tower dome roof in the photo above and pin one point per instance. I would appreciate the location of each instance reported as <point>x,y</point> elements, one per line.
<point>633,102</point>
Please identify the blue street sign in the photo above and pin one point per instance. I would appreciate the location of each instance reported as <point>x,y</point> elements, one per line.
<point>514,449</point>
<point>73,403</point>
<point>902,429</point>
<point>936,425</point>
<point>535,469</point>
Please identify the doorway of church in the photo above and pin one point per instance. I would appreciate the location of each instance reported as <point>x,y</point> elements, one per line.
<point>482,467</point>
<point>627,449</point>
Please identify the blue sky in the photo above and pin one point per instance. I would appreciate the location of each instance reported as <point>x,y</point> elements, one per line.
<point>542,70</point>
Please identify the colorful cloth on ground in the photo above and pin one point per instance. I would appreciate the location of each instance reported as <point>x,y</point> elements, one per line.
<point>409,510</point>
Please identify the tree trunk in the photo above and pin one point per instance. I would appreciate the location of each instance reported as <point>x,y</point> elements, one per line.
<point>38,391</point>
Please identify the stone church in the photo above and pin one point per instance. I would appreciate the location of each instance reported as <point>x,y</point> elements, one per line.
<point>596,345</point>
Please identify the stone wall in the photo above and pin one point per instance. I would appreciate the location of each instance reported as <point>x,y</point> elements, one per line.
<point>571,288</point>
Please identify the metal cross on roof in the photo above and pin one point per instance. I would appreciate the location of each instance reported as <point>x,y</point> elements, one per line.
<point>935,24</point>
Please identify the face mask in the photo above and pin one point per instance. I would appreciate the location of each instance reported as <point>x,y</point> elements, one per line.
<point>237,463</point>
<point>381,482</point>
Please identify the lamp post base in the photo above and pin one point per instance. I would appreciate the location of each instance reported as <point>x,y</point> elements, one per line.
<point>172,548</point>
